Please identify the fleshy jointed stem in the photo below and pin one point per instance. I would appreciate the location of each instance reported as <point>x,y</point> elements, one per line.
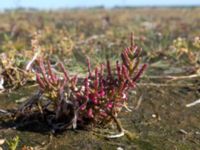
<point>93,100</point>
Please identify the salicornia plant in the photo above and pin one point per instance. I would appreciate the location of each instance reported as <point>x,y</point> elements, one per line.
<point>92,101</point>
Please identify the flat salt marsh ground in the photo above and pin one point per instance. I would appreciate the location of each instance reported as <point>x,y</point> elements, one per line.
<point>162,120</point>
<point>173,127</point>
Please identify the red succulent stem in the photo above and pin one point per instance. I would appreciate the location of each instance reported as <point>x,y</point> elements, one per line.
<point>136,52</point>
<point>64,71</point>
<point>43,71</point>
<point>40,82</point>
<point>109,69</point>
<point>52,76</point>
<point>126,75</point>
<point>118,70</point>
<point>86,88</point>
<point>139,73</point>
<point>96,82</point>
<point>132,39</point>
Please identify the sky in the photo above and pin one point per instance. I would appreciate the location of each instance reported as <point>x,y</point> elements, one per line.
<point>55,4</point>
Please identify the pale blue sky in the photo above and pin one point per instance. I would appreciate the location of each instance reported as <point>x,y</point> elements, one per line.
<point>53,4</point>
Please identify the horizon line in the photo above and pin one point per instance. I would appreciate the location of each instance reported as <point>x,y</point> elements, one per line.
<point>107,7</point>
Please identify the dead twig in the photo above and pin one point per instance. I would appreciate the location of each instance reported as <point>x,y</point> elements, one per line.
<point>139,103</point>
<point>28,66</point>
<point>172,78</point>
<point>119,127</point>
<point>165,84</point>
<point>193,103</point>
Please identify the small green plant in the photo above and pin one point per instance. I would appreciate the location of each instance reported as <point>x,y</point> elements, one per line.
<point>13,143</point>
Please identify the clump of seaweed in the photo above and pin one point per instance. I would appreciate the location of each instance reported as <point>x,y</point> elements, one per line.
<point>71,102</point>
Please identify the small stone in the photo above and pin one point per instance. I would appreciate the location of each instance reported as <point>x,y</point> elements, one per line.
<point>154,116</point>
<point>197,133</point>
<point>120,148</point>
<point>2,141</point>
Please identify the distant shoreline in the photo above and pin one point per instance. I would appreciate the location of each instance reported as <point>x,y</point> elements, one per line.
<point>102,7</point>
